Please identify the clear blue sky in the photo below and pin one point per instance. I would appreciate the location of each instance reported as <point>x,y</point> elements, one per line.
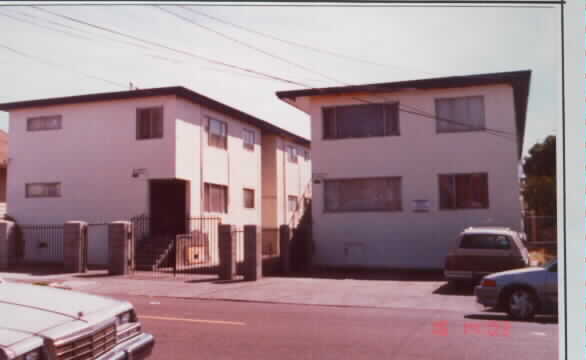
<point>405,42</point>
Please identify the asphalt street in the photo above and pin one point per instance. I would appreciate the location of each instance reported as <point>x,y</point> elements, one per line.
<point>197,329</point>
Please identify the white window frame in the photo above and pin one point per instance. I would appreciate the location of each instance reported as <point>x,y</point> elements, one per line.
<point>215,139</point>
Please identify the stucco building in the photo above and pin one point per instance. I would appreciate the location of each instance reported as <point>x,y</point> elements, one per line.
<point>399,169</point>
<point>168,153</point>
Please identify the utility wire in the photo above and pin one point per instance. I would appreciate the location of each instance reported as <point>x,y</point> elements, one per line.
<point>247,45</point>
<point>44,27</point>
<point>297,44</point>
<point>218,62</point>
<point>51,63</point>
<point>184,52</point>
<point>413,112</point>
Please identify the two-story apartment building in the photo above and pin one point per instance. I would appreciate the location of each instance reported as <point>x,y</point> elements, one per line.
<point>168,153</point>
<point>399,169</point>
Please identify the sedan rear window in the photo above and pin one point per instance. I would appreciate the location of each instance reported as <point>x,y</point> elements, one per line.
<point>485,241</point>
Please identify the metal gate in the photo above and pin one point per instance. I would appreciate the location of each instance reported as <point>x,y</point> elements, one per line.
<point>196,251</point>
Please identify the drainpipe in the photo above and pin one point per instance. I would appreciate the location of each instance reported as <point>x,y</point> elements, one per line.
<point>201,187</point>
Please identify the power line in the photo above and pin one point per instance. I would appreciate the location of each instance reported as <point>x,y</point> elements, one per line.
<point>44,27</point>
<point>300,45</point>
<point>248,45</point>
<point>210,60</point>
<point>51,63</point>
<point>217,62</point>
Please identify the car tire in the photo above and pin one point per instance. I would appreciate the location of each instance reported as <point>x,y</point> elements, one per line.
<point>521,304</point>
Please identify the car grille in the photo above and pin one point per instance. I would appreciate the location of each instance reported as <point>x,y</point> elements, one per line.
<point>88,347</point>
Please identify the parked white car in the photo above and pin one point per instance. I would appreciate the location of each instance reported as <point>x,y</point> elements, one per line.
<point>44,323</point>
<point>522,293</point>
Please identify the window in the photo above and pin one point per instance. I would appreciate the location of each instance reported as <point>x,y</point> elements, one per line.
<point>292,154</point>
<point>482,241</point>
<point>248,138</point>
<point>248,198</point>
<point>215,198</point>
<point>43,123</point>
<point>460,114</point>
<point>149,123</point>
<point>43,190</point>
<point>358,121</point>
<point>292,203</point>
<point>465,191</point>
<point>369,194</point>
<point>218,134</point>
<point>306,155</point>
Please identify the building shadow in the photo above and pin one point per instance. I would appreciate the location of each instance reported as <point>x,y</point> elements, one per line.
<point>369,274</point>
<point>500,316</point>
<point>466,289</point>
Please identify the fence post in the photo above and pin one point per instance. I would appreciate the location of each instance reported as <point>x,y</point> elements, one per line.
<point>252,253</point>
<point>227,247</point>
<point>284,248</point>
<point>75,246</point>
<point>6,243</point>
<point>120,248</point>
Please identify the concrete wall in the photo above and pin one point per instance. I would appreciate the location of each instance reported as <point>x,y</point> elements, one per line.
<point>406,239</point>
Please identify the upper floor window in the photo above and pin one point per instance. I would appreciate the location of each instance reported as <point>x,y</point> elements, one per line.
<point>367,194</point>
<point>43,190</point>
<point>292,154</point>
<point>248,139</point>
<point>306,155</point>
<point>359,121</point>
<point>218,134</point>
<point>460,114</point>
<point>463,191</point>
<point>215,198</point>
<point>43,123</point>
<point>149,123</point>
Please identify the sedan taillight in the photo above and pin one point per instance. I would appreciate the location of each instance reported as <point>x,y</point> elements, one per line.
<point>488,283</point>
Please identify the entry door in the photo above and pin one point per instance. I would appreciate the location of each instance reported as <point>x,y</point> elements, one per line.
<point>168,207</point>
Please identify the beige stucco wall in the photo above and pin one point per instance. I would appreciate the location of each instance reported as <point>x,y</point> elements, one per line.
<point>281,179</point>
<point>236,167</point>
<point>406,239</point>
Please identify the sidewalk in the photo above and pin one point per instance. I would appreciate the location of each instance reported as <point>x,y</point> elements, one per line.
<point>408,294</point>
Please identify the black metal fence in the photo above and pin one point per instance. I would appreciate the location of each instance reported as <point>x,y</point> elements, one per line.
<point>193,251</point>
<point>41,244</point>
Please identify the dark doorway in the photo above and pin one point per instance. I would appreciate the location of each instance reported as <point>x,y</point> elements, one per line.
<point>168,206</point>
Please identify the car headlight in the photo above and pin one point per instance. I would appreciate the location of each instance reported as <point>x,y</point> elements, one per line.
<point>125,318</point>
<point>33,355</point>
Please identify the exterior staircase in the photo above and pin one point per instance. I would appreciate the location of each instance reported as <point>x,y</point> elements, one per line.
<point>154,252</point>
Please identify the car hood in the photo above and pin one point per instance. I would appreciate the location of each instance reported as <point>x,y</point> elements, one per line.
<point>30,310</point>
<point>516,272</point>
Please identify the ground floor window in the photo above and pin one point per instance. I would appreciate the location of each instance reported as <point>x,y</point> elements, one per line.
<point>248,198</point>
<point>215,198</point>
<point>43,190</point>
<point>292,203</point>
<point>463,191</point>
<point>366,194</point>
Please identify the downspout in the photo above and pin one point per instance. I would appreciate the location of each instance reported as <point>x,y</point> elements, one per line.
<point>285,199</point>
<point>201,187</point>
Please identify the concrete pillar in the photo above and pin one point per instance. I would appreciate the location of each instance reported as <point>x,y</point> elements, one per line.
<point>75,246</point>
<point>227,244</point>
<point>252,253</point>
<point>120,248</point>
<point>285,248</point>
<point>6,243</point>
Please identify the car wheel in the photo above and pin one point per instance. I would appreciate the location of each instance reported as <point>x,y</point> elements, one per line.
<point>521,304</point>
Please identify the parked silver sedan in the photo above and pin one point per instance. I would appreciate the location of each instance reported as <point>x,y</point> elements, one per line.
<point>522,293</point>
<point>43,323</point>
